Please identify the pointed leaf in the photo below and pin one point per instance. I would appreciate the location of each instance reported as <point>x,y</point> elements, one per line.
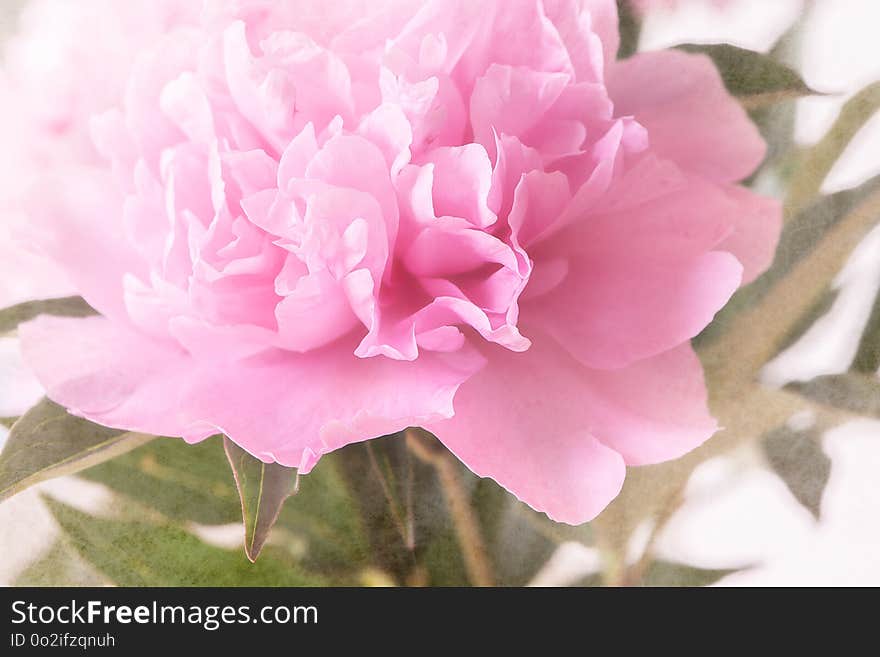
<point>798,459</point>
<point>47,442</point>
<point>11,317</point>
<point>855,393</point>
<point>139,553</point>
<point>756,79</point>
<point>262,488</point>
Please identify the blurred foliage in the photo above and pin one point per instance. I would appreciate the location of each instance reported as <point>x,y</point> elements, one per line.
<point>755,79</point>
<point>47,441</point>
<point>665,573</point>
<point>797,457</point>
<point>854,392</point>
<point>11,317</point>
<point>140,553</point>
<point>814,164</point>
<point>630,29</point>
<point>339,528</point>
<point>867,358</point>
<point>61,566</point>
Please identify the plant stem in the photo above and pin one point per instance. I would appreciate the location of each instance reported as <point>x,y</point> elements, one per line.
<point>467,527</point>
<point>817,161</point>
<point>402,529</point>
<point>635,573</point>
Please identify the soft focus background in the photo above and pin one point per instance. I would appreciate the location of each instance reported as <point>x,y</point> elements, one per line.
<point>739,523</point>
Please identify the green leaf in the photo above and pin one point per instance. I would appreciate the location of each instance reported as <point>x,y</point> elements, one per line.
<point>262,488</point>
<point>630,28</point>
<point>667,573</point>
<point>867,358</point>
<point>140,553</point>
<point>777,121</point>
<point>192,483</point>
<point>48,442</point>
<point>380,501</point>
<point>798,459</point>
<point>757,80</point>
<point>853,392</point>
<point>325,517</point>
<point>61,565</point>
<point>186,483</point>
<point>11,317</point>
<point>519,539</point>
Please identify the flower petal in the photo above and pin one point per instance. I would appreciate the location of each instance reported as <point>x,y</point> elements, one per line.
<point>642,277</point>
<point>556,434</point>
<point>690,117</point>
<point>78,225</point>
<point>279,406</point>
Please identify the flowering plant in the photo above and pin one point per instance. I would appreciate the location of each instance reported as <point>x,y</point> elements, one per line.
<point>302,225</point>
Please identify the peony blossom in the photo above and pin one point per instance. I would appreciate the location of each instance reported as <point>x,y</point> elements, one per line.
<point>309,223</point>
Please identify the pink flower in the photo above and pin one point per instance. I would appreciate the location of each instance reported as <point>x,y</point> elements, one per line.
<point>320,222</point>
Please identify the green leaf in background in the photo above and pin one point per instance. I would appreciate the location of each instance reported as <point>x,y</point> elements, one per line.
<point>630,28</point>
<point>185,483</point>
<point>755,79</point>
<point>48,442</point>
<point>819,309</point>
<point>798,459</point>
<point>11,317</point>
<point>8,421</point>
<point>816,162</point>
<point>520,540</point>
<point>61,565</point>
<point>777,121</point>
<point>193,484</point>
<point>666,573</point>
<point>382,502</point>
<point>867,358</point>
<point>263,489</point>
<point>325,517</point>
<point>139,553</point>
<point>853,392</point>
